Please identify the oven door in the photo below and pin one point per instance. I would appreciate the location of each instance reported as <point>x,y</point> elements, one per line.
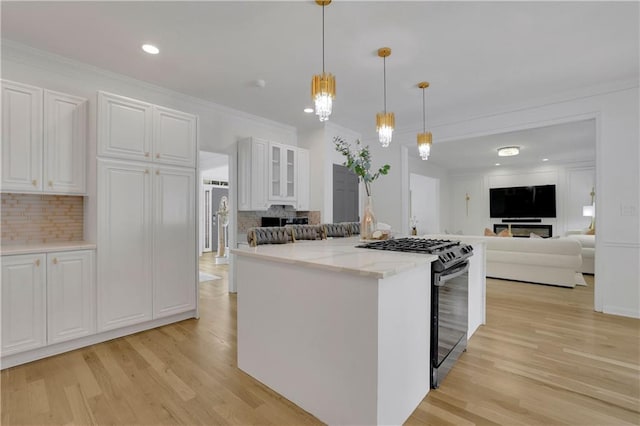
<point>450,312</point>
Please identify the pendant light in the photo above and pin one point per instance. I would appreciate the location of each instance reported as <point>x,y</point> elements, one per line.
<point>424,138</point>
<point>323,86</point>
<point>385,121</point>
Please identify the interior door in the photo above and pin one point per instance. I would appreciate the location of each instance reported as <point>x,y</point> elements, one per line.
<point>345,195</point>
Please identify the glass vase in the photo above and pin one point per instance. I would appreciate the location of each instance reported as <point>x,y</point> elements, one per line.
<point>368,223</point>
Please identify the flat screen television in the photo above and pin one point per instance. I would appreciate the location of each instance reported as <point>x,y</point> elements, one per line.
<point>523,202</point>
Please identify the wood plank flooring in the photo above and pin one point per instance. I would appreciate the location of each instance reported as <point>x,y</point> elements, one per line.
<point>543,358</point>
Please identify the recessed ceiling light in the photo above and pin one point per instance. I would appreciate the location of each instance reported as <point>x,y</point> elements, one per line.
<point>497,164</point>
<point>508,151</point>
<point>545,159</point>
<point>150,49</point>
<point>308,110</point>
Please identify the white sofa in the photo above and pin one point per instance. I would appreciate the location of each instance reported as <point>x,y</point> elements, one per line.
<point>588,244</point>
<point>552,261</point>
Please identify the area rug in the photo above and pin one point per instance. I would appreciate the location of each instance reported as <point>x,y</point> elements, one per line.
<point>208,277</point>
<point>580,279</point>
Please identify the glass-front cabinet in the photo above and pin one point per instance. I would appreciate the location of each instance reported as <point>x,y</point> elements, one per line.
<point>282,172</point>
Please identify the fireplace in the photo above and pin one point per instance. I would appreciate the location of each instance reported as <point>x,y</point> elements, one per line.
<point>523,230</point>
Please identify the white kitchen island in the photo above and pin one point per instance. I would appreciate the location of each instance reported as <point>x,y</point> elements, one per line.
<point>342,332</point>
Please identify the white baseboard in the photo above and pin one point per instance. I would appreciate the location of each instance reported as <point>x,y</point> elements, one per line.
<point>58,348</point>
<point>616,310</point>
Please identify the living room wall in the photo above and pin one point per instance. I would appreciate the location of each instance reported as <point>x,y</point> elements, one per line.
<point>573,181</point>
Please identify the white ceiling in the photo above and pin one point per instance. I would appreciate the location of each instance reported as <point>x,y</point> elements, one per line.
<point>561,143</point>
<point>478,56</point>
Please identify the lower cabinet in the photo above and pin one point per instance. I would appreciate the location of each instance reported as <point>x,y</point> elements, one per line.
<point>46,299</point>
<point>147,239</point>
<point>71,297</point>
<point>24,323</point>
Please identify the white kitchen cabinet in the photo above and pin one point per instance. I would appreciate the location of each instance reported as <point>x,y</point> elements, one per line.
<point>174,230</point>
<point>65,140</point>
<point>130,129</point>
<point>125,244</point>
<point>174,137</point>
<point>147,239</point>
<point>37,157</point>
<point>282,174</point>
<point>21,137</point>
<point>302,182</point>
<point>124,127</point>
<point>252,174</point>
<point>70,295</point>
<point>23,303</point>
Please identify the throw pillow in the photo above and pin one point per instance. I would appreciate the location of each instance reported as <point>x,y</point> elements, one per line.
<point>489,233</point>
<point>534,235</point>
<point>505,233</point>
<point>590,232</point>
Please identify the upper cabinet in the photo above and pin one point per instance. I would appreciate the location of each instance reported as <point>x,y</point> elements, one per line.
<point>270,174</point>
<point>135,130</point>
<point>43,140</point>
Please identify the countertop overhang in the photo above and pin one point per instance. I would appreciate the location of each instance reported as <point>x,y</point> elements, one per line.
<point>340,255</point>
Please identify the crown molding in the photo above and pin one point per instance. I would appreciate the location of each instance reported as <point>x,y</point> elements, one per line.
<point>27,55</point>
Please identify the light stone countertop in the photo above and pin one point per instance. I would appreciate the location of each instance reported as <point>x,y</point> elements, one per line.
<point>338,254</point>
<point>29,248</point>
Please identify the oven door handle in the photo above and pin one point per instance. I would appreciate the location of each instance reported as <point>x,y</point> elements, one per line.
<point>454,273</point>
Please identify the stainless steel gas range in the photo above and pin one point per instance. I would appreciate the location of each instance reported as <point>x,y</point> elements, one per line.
<point>449,297</point>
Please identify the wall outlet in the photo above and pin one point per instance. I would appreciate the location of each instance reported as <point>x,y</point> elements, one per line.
<point>628,210</point>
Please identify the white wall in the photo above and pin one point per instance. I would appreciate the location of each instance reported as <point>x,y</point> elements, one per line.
<point>426,168</point>
<point>616,110</point>
<point>425,202</point>
<point>573,184</point>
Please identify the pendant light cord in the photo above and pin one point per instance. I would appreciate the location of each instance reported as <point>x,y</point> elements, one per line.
<point>384,73</point>
<point>424,115</point>
<point>323,39</point>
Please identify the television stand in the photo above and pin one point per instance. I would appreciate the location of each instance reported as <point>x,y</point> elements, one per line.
<point>522,230</point>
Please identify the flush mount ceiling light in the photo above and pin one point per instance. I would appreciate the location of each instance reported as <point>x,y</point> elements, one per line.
<point>424,138</point>
<point>508,151</point>
<point>385,121</point>
<point>150,49</point>
<point>323,86</point>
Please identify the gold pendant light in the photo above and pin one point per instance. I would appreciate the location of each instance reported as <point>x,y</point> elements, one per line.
<point>424,138</point>
<point>385,121</point>
<point>323,86</point>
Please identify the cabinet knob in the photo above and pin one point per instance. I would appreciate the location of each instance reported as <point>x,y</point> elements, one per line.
<point>146,171</point>
<point>50,183</point>
<point>146,154</point>
<point>37,262</point>
<point>55,261</point>
<point>157,172</point>
<point>158,155</point>
<point>34,182</point>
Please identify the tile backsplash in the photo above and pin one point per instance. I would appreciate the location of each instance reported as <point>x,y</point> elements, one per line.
<point>250,219</point>
<point>37,218</point>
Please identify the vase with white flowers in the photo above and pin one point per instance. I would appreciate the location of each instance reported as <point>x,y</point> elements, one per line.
<point>358,160</point>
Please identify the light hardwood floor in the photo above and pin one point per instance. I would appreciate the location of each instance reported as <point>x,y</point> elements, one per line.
<point>543,358</point>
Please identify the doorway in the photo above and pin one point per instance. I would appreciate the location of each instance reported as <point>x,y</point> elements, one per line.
<point>213,187</point>
<point>424,196</point>
<point>345,195</point>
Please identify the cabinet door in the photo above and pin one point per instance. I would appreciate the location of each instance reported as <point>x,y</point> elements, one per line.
<point>124,241</point>
<point>23,303</point>
<point>259,174</point>
<point>289,161</point>
<point>65,140</point>
<point>302,181</point>
<point>275,171</point>
<point>244,174</point>
<point>174,245</point>
<point>124,127</point>
<point>21,137</point>
<point>174,137</point>
<point>70,295</point>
